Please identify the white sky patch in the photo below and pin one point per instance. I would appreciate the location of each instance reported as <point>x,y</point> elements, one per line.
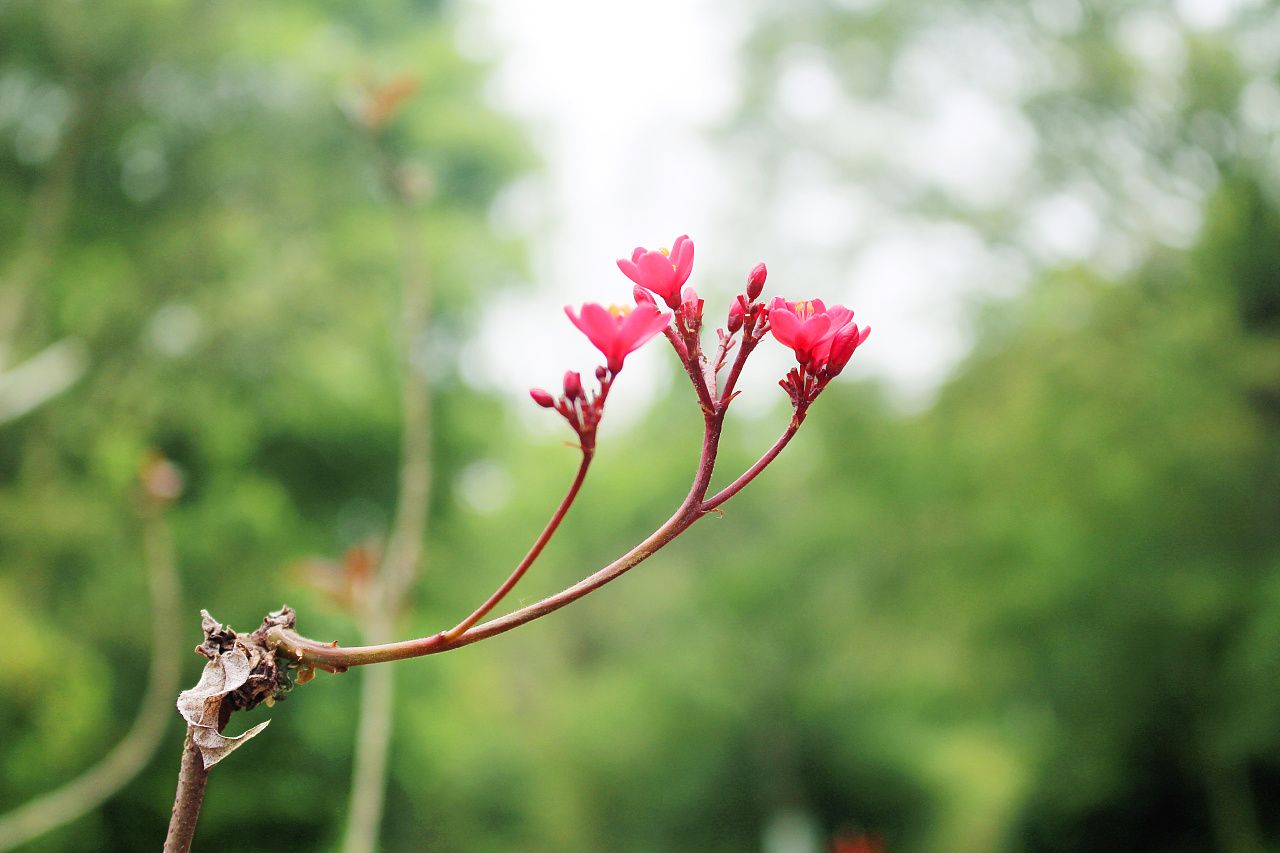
<point>911,285</point>
<point>1154,38</point>
<point>1211,14</point>
<point>806,89</point>
<point>1063,229</point>
<point>619,97</point>
<point>622,99</point>
<point>973,147</point>
<point>1260,106</point>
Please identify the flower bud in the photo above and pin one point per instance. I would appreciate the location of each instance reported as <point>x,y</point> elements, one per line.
<point>843,345</point>
<point>572,384</point>
<point>735,316</point>
<point>691,305</point>
<point>642,296</point>
<point>755,281</point>
<point>542,398</point>
<point>601,373</point>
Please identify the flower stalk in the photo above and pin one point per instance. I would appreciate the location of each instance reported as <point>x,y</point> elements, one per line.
<point>822,339</point>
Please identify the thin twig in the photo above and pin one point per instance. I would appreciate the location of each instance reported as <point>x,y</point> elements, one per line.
<point>131,754</point>
<point>46,224</point>
<point>750,474</point>
<point>750,338</point>
<point>538,545</point>
<point>403,557</point>
<point>192,778</point>
<point>369,769</point>
<point>337,659</point>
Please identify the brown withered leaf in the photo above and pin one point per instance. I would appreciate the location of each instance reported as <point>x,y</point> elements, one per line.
<point>202,706</point>
<point>215,746</point>
<point>383,102</point>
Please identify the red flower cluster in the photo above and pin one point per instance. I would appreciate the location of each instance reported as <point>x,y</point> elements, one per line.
<point>823,338</point>
<point>581,409</point>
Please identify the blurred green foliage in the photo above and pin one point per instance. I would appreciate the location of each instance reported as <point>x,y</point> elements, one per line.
<point>1042,614</point>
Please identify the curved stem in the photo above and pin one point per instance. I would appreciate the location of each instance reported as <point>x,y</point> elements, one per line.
<point>538,545</point>
<point>748,344</point>
<point>47,216</point>
<point>750,474</point>
<point>400,566</point>
<point>404,547</point>
<point>333,658</point>
<point>369,771</point>
<point>131,754</point>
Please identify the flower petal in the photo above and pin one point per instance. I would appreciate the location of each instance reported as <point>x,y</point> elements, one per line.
<point>630,270</point>
<point>641,325</point>
<point>682,258</point>
<point>840,316</point>
<point>597,324</point>
<point>657,275</point>
<point>812,331</point>
<point>784,324</point>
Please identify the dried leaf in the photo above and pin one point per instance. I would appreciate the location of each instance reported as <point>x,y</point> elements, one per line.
<point>201,706</point>
<point>215,746</point>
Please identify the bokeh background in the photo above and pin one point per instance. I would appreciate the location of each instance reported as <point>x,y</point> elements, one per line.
<point>1015,586</point>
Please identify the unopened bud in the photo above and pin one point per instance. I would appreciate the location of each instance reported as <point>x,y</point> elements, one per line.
<point>691,305</point>
<point>601,373</point>
<point>572,384</point>
<point>755,281</point>
<point>735,316</point>
<point>542,398</point>
<point>642,296</point>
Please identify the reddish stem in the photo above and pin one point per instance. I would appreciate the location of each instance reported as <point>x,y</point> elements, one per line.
<point>331,657</point>
<point>749,342</point>
<point>762,463</point>
<point>534,551</point>
<point>335,659</point>
<point>689,351</point>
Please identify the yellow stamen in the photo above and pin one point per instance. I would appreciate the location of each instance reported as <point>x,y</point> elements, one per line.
<point>804,310</point>
<point>664,250</point>
<point>619,311</point>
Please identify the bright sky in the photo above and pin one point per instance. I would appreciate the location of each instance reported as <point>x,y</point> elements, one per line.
<point>617,96</point>
<point>621,98</point>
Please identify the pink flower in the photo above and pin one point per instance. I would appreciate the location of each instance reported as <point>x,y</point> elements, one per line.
<point>618,331</point>
<point>841,347</point>
<point>802,326</point>
<point>662,271</point>
<point>821,336</point>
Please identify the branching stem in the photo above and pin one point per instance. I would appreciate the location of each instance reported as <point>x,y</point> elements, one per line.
<point>538,545</point>
<point>311,653</point>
